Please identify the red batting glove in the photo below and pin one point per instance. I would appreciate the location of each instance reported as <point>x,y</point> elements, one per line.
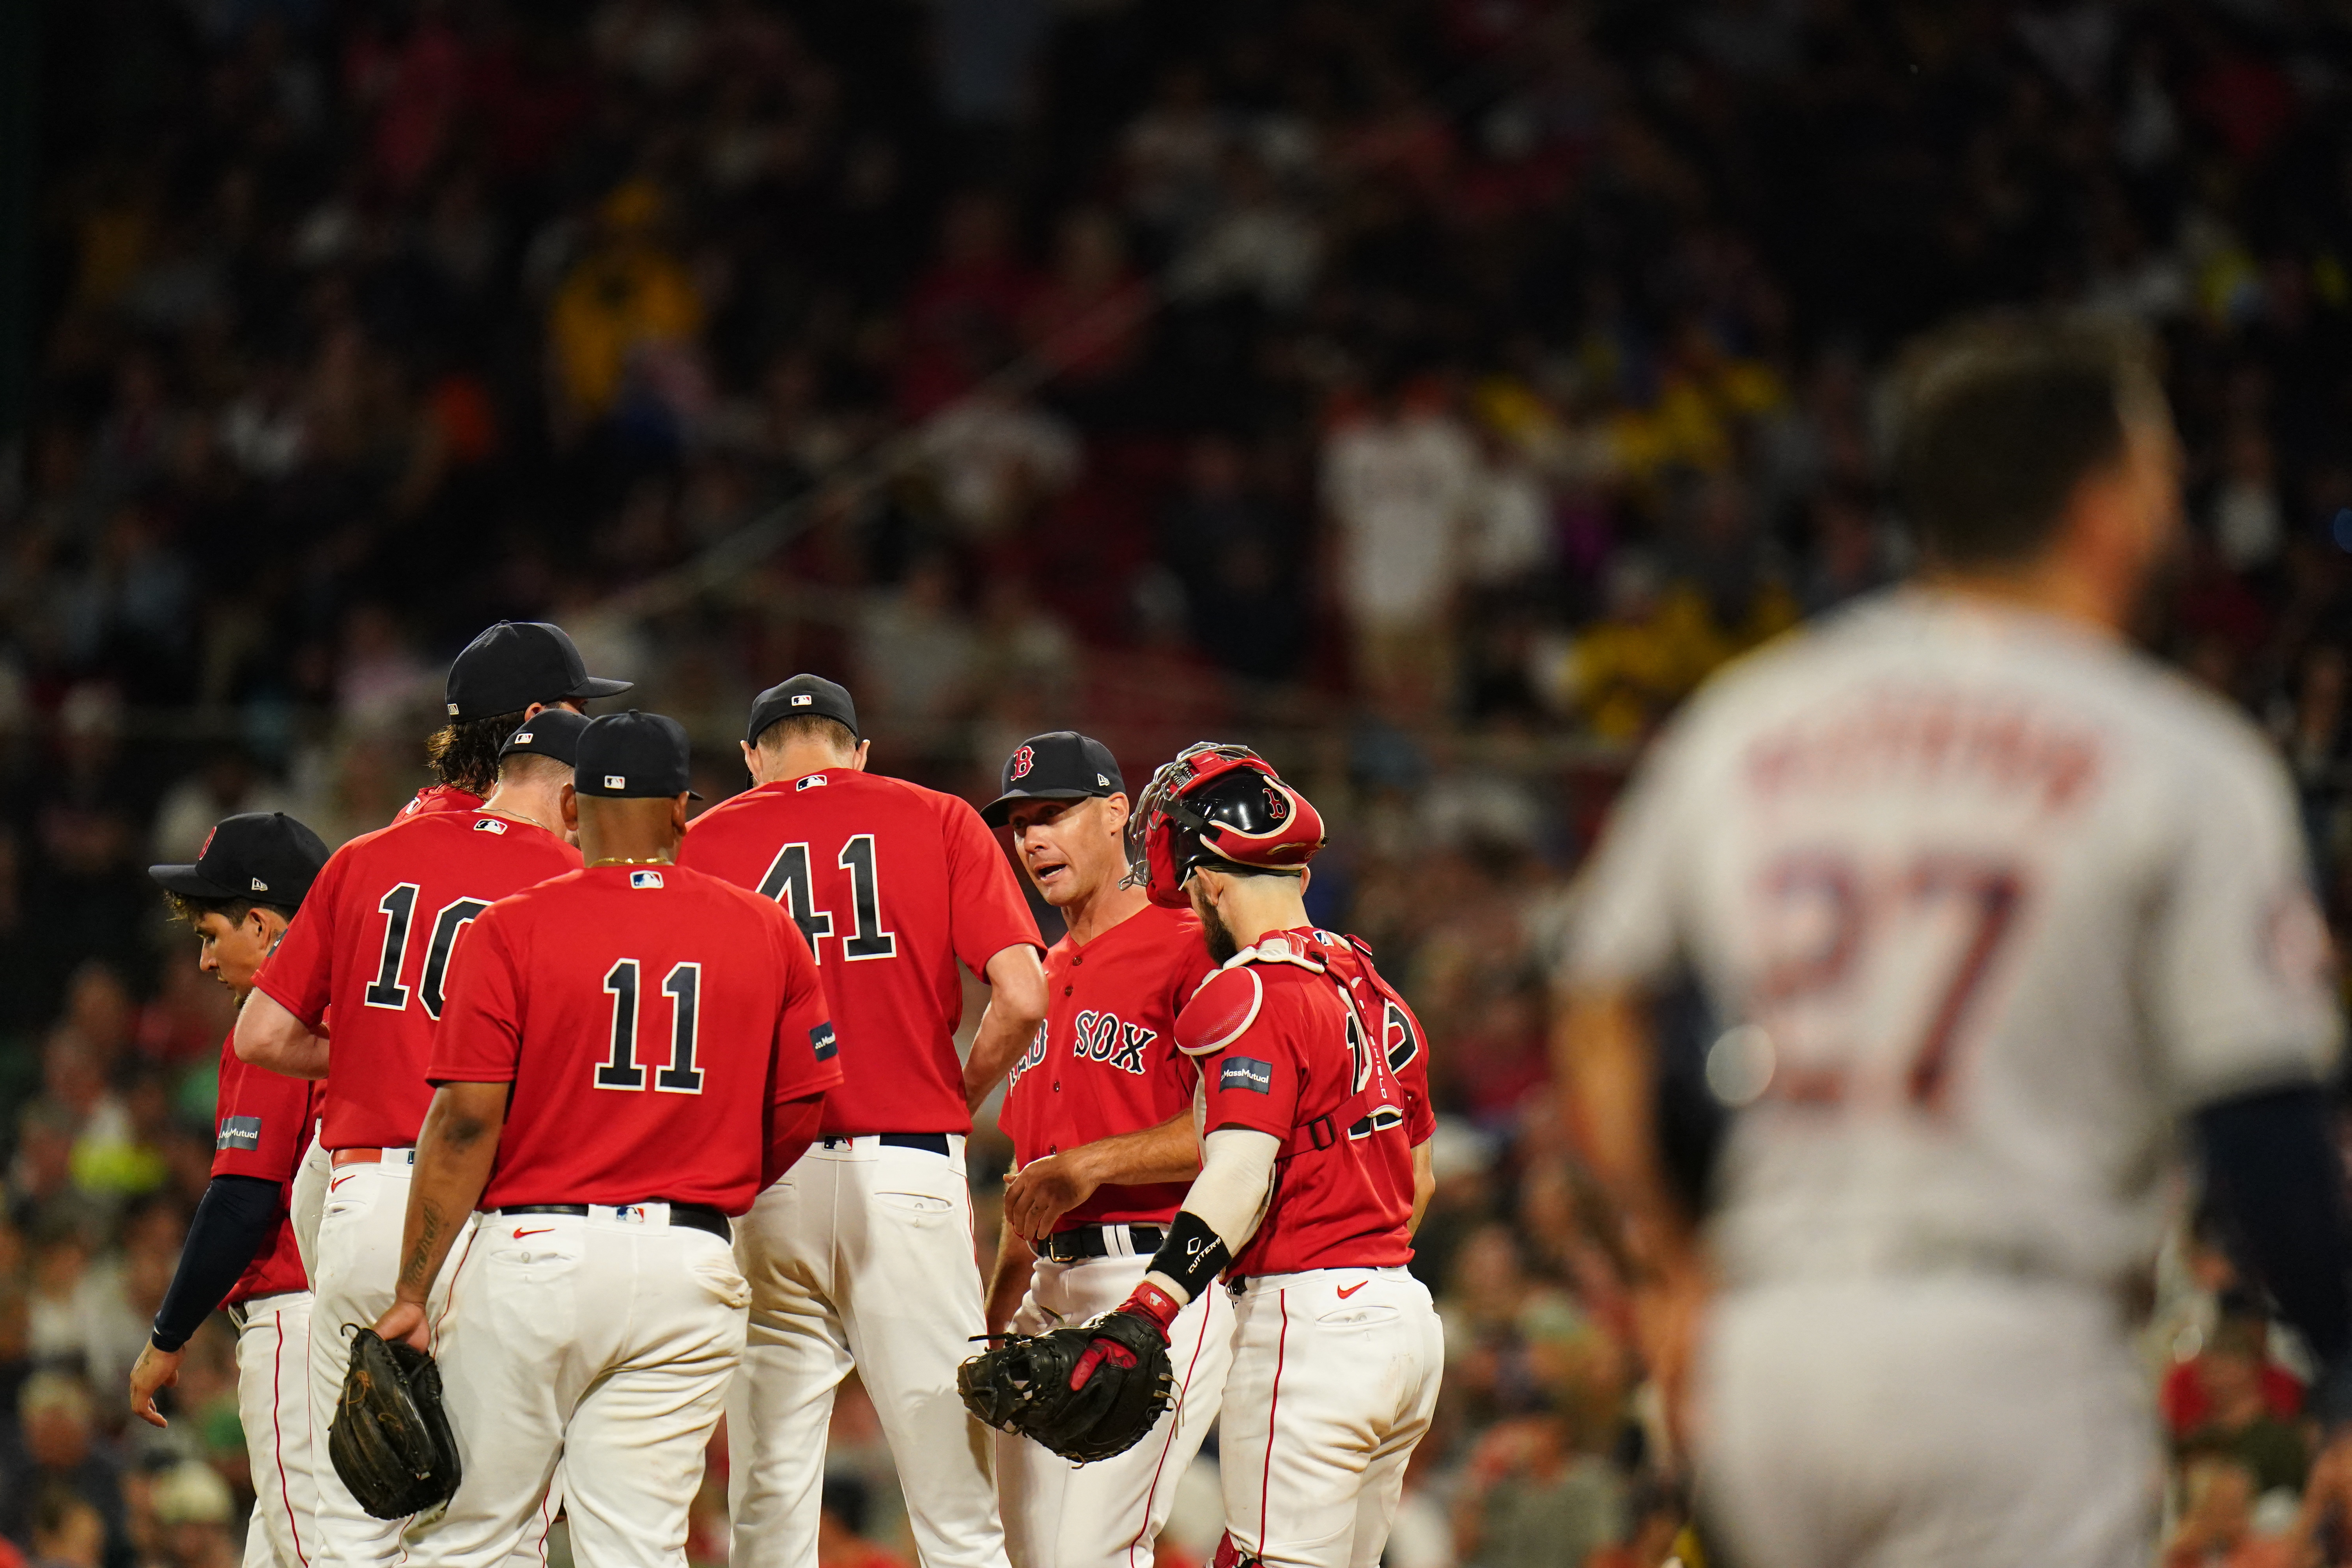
<point>1149,1305</point>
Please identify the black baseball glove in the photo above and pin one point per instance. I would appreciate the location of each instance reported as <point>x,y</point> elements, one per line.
<point>1120,1363</point>
<point>391,1441</point>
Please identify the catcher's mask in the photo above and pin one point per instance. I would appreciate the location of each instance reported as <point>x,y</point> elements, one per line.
<point>1217,801</point>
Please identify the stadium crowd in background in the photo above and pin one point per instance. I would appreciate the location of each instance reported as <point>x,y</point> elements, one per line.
<point>1430,394</point>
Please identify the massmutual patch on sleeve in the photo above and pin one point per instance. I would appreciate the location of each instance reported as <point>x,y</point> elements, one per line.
<point>822,1042</point>
<point>239,1133</point>
<point>1246,1072</point>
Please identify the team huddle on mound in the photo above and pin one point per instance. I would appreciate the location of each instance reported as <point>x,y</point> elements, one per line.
<point>551,1128</point>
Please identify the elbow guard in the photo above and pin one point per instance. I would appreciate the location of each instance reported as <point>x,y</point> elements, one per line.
<point>1193,1255</point>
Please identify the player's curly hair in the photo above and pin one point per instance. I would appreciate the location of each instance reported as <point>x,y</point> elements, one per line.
<point>465,756</point>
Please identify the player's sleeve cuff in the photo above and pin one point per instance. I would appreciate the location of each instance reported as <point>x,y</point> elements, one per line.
<point>441,1075</point>
<point>1220,1121</point>
<point>261,983</point>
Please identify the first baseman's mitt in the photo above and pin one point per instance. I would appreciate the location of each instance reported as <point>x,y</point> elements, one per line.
<point>1023,1385</point>
<point>390,1441</point>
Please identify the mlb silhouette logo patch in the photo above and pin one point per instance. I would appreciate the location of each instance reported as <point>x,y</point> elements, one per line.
<point>489,825</point>
<point>616,781</point>
<point>1246,1072</point>
<point>644,879</point>
<point>630,1214</point>
<point>803,699</point>
<point>815,781</point>
<point>521,739</point>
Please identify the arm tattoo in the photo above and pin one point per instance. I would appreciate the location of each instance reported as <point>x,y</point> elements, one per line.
<point>417,1271</point>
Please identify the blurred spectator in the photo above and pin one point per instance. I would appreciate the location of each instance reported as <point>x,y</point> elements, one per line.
<point>59,1449</point>
<point>627,310</point>
<point>2216,1525</point>
<point>1400,482</point>
<point>193,1511</point>
<point>67,1531</point>
<point>2185,1396</point>
<point>2240,1423</point>
<point>1530,1498</point>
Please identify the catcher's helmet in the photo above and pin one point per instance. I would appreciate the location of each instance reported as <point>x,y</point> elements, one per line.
<point>1214,803</point>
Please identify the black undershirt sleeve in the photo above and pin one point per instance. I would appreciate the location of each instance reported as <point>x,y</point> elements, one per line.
<point>2274,1181</point>
<point>232,1223</point>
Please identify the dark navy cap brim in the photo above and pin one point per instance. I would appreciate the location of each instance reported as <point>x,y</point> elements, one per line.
<point>189,882</point>
<point>597,686</point>
<point>997,810</point>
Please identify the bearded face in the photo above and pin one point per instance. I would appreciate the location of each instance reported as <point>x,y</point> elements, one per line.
<point>1213,929</point>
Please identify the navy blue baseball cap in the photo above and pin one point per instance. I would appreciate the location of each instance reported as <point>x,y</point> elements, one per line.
<point>802,697</point>
<point>264,856</point>
<point>633,756</point>
<point>1060,764</point>
<point>549,733</point>
<point>516,663</point>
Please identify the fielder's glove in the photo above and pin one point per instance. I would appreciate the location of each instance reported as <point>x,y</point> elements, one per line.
<point>391,1441</point>
<point>1086,1393</point>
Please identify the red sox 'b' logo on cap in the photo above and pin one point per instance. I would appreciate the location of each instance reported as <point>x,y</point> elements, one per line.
<point>1022,761</point>
<point>1276,806</point>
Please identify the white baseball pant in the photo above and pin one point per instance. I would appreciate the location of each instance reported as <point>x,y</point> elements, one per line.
<point>605,1340</point>
<point>1958,1421</point>
<point>1108,1514</point>
<point>273,1401</point>
<point>352,1273</point>
<point>1334,1379</point>
<point>860,1255</point>
<point>306,1204</point>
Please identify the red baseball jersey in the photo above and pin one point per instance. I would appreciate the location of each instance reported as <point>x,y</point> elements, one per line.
<point>263,1126</point>
<point>649,1019</point>
<point>1105,1060</point>
<point>891,884</point>
<point>375,940</point>
<point>1283,1050</point>
<point>1392,1021</point>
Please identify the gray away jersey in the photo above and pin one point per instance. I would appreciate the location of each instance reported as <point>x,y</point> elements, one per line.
<point>1998,899</point>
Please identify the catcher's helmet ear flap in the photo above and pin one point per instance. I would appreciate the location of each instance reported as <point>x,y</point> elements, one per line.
<point>1217,803</point>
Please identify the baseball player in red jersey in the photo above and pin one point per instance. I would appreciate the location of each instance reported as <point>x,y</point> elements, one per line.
<point>241,1252</point>
<point>630,1052</point>
<point>374,942</point>
<point>1100,1114</point>
<point>506,675</point>
<point>861,1256</point>
<point>1305,1199</point>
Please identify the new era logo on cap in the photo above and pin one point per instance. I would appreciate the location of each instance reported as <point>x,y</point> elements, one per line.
<point>259,885</point>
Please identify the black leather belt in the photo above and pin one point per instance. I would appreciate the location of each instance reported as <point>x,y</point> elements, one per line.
<point>694,1216</point>
<point>929,1142</point>
<point>1082,1242</point>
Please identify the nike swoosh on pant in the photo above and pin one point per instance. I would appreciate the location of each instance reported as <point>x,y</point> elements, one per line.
<point>1353,1289</point>
<point>542,1230</point>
